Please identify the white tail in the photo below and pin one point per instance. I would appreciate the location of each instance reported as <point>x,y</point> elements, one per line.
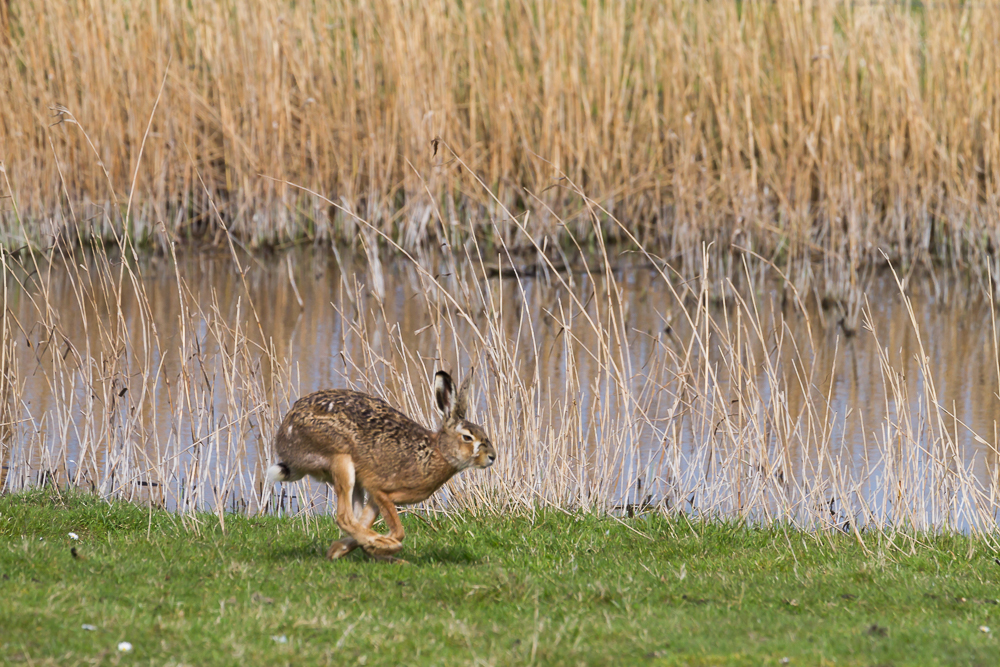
<point>277,473</point>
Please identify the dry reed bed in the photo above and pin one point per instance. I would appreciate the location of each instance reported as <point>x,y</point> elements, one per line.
<point>802,129</point>
<point>725,417</point>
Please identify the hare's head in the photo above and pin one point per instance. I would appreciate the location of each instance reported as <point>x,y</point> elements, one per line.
<point>465,444</point>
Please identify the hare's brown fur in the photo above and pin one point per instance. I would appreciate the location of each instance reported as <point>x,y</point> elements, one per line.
<point>358,443</point>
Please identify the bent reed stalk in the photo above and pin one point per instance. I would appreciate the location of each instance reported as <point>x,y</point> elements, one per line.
<point>801,130</point>
<point>724,416</point>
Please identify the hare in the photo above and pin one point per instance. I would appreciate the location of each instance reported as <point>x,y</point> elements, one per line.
<point>357,443</point>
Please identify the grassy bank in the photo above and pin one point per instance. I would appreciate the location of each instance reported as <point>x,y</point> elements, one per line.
<point>547,589</point>
<point>824,130</point>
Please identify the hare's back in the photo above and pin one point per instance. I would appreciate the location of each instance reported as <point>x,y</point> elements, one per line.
<point>343,421</point>
<point>347,407</point>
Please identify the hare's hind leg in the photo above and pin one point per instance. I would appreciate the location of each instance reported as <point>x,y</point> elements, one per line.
<point>346,545</point>
<point>342,471</point>
<point>368,513</point>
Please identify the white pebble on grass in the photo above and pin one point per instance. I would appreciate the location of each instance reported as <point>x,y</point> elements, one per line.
<point>124,647</point>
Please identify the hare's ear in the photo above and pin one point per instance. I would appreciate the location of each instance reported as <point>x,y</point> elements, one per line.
<point>462,400</point>
<point>444,392</point>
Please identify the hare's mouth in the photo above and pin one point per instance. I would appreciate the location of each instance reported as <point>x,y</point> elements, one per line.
<point>483,456</point>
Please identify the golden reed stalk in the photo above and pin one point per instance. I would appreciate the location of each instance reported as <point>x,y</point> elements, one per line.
<point>802,129</point>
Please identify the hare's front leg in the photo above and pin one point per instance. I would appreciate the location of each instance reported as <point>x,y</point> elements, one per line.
<point>342,472</point>
<point>368,514</point>
<point>346,545</point>
<point>396,533</point>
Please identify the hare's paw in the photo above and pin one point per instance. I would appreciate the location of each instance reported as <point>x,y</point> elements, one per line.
<point>383,545</point>
<point>341,548</point>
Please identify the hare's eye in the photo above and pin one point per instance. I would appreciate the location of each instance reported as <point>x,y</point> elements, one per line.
<point>466,437</point>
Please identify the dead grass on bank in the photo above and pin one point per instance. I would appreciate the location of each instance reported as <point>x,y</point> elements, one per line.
<point>815,130</point>
<point>723,417</point>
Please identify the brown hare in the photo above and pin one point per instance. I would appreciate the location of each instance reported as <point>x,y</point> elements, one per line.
<point>358,443</point>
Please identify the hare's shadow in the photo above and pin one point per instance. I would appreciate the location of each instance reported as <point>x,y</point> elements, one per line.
<point>425,557</point>
<point>316,550</point>
<point>302,551</point>
<point>444,555</point>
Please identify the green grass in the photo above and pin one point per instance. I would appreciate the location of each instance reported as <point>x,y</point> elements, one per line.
<point>555,589</point>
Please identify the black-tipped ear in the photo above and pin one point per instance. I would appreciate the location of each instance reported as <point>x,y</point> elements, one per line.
<point>444,391</point>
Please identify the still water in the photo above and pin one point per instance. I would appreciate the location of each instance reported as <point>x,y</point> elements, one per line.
<point>310,319</point>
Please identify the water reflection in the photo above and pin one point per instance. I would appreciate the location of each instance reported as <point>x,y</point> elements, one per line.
<point>325,326</point>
